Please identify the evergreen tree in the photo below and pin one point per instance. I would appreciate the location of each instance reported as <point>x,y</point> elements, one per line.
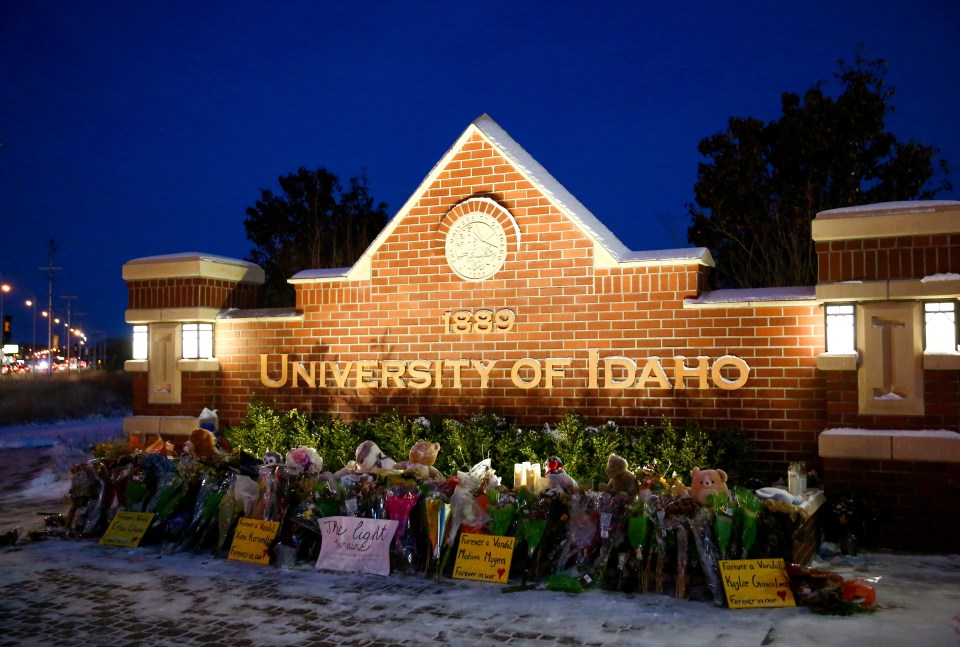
<point>763,183</point>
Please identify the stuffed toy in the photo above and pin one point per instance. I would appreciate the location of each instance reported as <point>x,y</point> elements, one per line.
<point>202,444</point>
<point>778,494</point>
<point>423,455</point>
<point>704,483</point>
<point>621,479</point>
<point>556,477</point>
<point>370,459</point>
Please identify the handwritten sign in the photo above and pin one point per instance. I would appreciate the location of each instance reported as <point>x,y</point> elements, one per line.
<point>756,583</point>
<point>252,540</point>
<point>356,545</point>
<point>485,558</point>
<point>127,529</point>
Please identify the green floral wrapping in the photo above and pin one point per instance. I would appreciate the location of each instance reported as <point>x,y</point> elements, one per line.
<point>501,513</point>
<point>750,504</point>
<point>723,521</point>
<point>638,530</point>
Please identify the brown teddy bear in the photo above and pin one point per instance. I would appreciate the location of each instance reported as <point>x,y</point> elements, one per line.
<point>202,443</point>
<point>621,479</point>
<point>703,483</point>
<point>423,455</point>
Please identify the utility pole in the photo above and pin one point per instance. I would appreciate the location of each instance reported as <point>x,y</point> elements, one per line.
<point>69,299</point>
<point>50,269</point>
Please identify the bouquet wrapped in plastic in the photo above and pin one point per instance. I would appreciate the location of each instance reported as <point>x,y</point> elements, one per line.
<point>707,552</point>
<point>437,513</point>
<point>400,503</point>
<point>501,510</point>
<point>613,508</point>
<point>583,531</point>
<point>750,505</point>
<point>638,533</point>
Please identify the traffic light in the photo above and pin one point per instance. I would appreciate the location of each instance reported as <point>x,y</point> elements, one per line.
<point>6,328</point>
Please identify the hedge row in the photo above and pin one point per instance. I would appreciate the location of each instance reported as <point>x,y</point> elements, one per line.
<point>582,448</point>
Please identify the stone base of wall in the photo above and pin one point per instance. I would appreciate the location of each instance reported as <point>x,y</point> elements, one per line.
<point>918,503</point>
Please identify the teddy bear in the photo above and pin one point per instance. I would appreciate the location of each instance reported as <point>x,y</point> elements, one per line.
<point>202,443</point>
<point>621,479</point>
<point>704,483</point>
<point>423,455</point>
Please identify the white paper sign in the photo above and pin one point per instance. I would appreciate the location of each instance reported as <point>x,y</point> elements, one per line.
<point>356,545</point>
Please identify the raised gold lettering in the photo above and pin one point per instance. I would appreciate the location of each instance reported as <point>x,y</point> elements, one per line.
<point>392,370</point>
<point>483,370</point>
<point>681,371</point>
<point>721,382</point>
<point>419,372</point>
<point>609,379</point>
<point>554,369</point>
<point>265,378</point>
<point>533,365</point>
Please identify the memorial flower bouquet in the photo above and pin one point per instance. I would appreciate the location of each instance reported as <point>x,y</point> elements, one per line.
<point>206,507</point>
<point>707,551</point>
<point>306,458</point>
<point>400,503</point>
<point>437,513</point>
<point>750,506</point>
<point>613,509</point>
<point>501,510</point>
<point>229,511</point>
<point>533,518</point>
<point>583,531</point>
<point>638,534</point>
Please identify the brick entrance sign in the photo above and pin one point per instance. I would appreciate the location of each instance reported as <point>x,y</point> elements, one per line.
<point>493,288</point>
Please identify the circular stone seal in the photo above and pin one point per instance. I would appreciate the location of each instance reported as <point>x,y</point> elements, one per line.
<point>476,246</point>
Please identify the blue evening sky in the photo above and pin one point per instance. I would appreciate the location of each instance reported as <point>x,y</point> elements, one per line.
<point>133,129</point>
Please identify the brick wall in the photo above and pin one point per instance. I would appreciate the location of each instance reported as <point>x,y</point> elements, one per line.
<point>569,302</point>
<point>878,259</point>
<point>564,307</point>
<point>191,292</point>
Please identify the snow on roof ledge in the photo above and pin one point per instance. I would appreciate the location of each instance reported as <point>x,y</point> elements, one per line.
<point>260,313</point>
<point>753,295</point>
<point>902,207</point>
<point>324,274</point>
<point>192,264</point>
<point>699,254</point>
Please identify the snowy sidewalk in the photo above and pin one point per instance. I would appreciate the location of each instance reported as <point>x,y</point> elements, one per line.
<point>76,592</point>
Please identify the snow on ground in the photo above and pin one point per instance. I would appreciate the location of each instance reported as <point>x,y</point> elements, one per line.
<point>141,596</point>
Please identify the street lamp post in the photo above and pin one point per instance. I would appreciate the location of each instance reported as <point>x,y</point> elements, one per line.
<point>32,302</point>
<point>4,288</point>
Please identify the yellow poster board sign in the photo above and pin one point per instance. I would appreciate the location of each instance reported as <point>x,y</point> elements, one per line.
<point>485,558</point>
<point>756,583</point>
<point>127,529</point>
<point>252,540</point>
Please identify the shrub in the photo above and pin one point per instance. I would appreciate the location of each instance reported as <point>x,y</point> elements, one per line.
<point>582,447</point>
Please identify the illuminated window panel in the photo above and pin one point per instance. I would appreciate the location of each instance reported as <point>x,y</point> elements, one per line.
<point>841,329</point>
<point>940,324</point>
<point>197,341</point>
<point>140,342</point>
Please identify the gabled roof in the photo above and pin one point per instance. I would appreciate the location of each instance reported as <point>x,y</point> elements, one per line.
<point>609,250</point>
